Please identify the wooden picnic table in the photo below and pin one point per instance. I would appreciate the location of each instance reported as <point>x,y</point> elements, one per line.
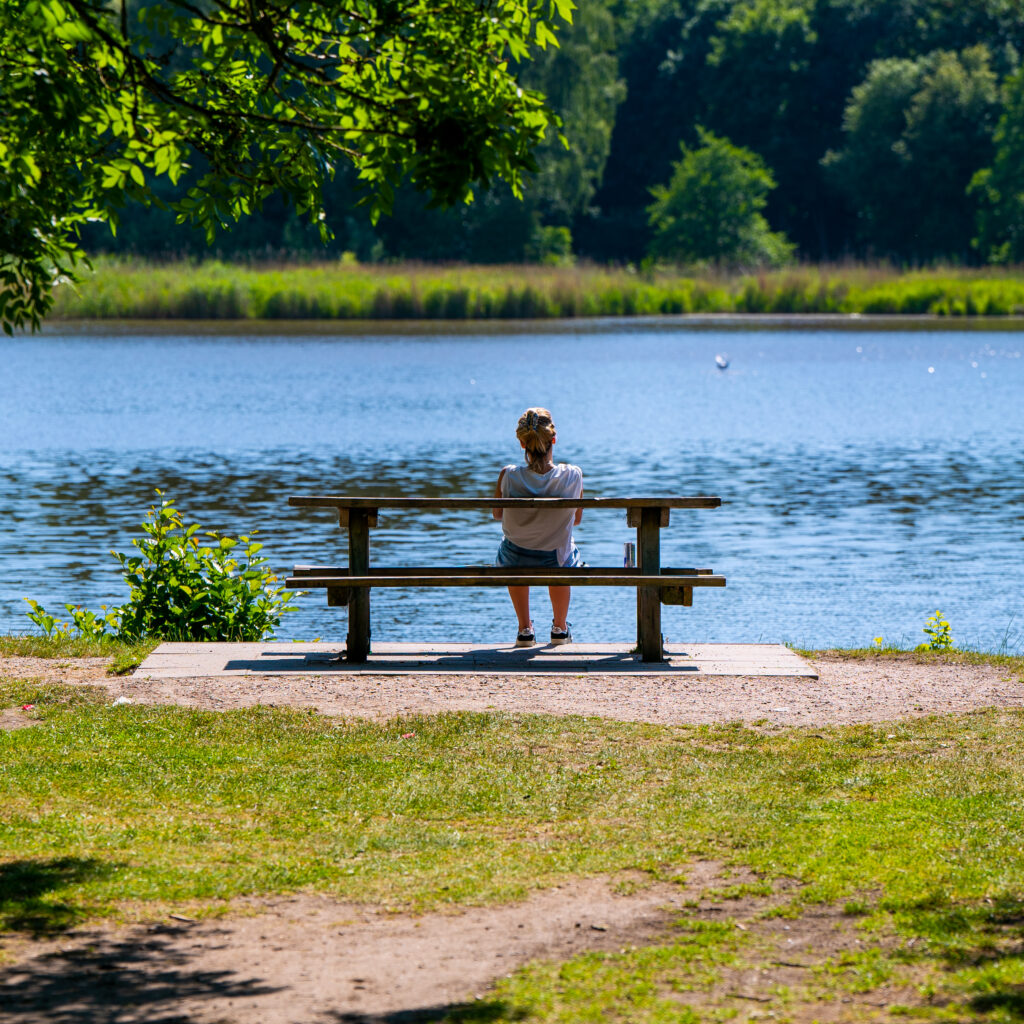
<point>351,585</point>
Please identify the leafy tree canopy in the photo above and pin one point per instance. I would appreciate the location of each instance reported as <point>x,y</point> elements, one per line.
<point>711,209</point>
<point>773,76</point>
<point>999,189</point>
<point>916,133</point>
<point>101,97</point>
<point>580,80</point>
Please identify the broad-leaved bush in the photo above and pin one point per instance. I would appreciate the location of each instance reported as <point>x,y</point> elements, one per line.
<point>184,584</point>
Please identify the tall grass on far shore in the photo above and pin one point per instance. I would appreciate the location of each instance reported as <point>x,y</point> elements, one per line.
<point>346,291</point>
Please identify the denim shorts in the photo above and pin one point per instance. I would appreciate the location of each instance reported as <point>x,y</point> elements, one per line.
<point>510,554</point>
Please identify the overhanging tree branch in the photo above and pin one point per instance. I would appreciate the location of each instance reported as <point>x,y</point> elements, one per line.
<point>270,93</point>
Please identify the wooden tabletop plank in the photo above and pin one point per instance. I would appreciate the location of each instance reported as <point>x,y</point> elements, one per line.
<point>340,501</point>
<point>538,579</point>
<point>342,571</point>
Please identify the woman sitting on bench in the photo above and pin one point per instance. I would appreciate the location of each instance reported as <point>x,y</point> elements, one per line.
<point>539,537</point>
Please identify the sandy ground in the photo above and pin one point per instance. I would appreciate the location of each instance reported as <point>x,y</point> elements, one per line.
<point>308,959</point>
<point>846,691</point>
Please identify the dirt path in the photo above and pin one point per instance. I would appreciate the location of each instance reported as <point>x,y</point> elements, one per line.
<point>846,691</point>
<point>310,958</point>
<point>307,959</point>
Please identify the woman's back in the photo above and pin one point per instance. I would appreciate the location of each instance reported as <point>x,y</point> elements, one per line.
<point>535,528</point>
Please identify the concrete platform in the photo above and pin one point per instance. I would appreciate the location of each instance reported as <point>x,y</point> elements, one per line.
<point>187,660</point>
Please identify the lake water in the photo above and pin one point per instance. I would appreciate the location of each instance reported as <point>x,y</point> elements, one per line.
<point>868,477</point>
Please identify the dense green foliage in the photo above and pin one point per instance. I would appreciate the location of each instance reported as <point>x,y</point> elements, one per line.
<point>711,209</point>
<point>916,132</point>
<point>776,77</point>
<point>999,189</point>
<point>871,116</point>
<point>341,291</point>
<point>181,588</point>
<point>211,108</point>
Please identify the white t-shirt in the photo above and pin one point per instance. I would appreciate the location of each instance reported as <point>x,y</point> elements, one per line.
<point>535,528</point>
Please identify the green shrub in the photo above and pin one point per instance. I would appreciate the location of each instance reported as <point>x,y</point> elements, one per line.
<point>710,211</point>
<point>183,589</point>
<point>551,246</point>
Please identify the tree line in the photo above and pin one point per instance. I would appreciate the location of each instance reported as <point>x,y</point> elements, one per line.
<point>719,131</point>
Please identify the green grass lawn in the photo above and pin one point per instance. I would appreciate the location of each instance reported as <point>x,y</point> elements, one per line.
<point>914,830</point>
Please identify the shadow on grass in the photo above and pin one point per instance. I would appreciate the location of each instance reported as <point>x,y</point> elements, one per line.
<point>1009,1004</point>
<point>979,938</point>
<point>24,885</point>
<point>150,975</point>
<point>108,980</point>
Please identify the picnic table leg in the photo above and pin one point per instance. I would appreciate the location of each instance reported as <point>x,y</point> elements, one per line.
<point>648,601</point>
<point>358,645</point>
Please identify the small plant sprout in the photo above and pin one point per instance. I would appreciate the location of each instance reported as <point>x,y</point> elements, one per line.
<point>937,629</point>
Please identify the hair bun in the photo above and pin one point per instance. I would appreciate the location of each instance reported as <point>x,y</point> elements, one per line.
<point>536,431</point>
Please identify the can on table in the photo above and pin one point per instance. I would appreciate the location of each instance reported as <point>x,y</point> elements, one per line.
<point>629,555</point>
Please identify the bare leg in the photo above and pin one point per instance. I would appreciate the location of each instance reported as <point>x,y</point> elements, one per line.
<point>521,602</point>
<point>559,604</point>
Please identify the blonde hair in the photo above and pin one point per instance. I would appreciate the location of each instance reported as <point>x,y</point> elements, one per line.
<point>535,430</point>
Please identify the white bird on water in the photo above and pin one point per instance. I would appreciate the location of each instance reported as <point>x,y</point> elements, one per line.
<point>722,361</point>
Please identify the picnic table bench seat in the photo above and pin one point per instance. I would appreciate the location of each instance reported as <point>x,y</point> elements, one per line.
<point>349,586</point>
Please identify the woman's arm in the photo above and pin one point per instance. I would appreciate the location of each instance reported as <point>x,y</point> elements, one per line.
<point>579,511</point>
<point>496,512</point>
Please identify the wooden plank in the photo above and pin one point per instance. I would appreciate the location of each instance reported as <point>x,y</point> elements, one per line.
<point>499,579</point>
<point>439,504</point>
<point>371,518</point>
<point>343,571</point>
<point>677,595</point>
<point>357,648</point>
<point>634,513</point>
<point>648,611</point>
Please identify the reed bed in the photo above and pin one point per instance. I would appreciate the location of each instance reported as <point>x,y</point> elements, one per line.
<point>345,291</point>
